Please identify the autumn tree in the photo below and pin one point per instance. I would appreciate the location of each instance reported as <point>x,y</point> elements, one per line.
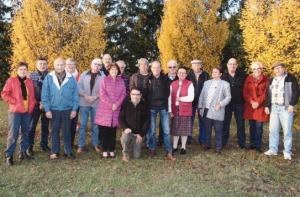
<point>57,28</point>
<point>271,33</point>
<point>130,28</point>
<point>191,30</point>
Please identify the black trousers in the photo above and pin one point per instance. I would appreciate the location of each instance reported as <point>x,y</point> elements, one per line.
<point>108,138</point>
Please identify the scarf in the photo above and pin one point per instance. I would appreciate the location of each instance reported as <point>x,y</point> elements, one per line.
<point>60,77</point>
<point>23,87</point>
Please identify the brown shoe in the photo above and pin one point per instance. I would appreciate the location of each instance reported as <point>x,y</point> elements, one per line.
<point>97,149</point>
<point>126,158</point>
<point>152,153</point>
<point>171,157</point>
<point>80,150</point>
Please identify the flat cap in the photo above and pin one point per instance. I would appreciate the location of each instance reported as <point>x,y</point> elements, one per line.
<point>196,62</point>
<point>278,64</point>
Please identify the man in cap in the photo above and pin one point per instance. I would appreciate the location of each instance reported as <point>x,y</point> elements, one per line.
<point>198,76</point>
<point>282,96</point>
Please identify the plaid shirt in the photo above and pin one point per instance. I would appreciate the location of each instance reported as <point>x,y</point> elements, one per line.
<point>277,89</point>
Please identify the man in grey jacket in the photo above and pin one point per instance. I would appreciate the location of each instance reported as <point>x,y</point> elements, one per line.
<point>88,89</point>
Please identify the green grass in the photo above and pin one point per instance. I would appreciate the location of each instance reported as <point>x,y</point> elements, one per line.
<point>233,173</point>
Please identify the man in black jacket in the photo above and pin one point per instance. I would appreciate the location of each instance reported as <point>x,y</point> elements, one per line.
<point>198,77</point>
<point>236,78</point>
<point>172,76</point>
<point>134,120</point>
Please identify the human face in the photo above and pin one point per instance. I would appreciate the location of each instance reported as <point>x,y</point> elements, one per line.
<point>181,74</point>
<point>22,71</point>
<point>135,96</point>
<point>156,69</point>
<point>196,67</point>
<point>121,66</point>
<point>256,70</point>
<point>107,60</point>
<point>143,67</point>
<point>59,65</point>
<point>172,68</point>
<point>232,65</point>
<point>216,74</point>
<point>42,65</point>
<point>71,66</point>
<point>279,71</point>
<point>95,66</point>
<point>113,72</point>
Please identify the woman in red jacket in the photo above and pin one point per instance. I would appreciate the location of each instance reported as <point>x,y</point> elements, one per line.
<point>254,93</point>
<point>19,93</point>
<point>180,109</point>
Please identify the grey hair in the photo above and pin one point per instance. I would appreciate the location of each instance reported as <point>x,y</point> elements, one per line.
<point>121,61</point>
<point>143,60</point>
<point>256,63</point>
<point>172,61</point>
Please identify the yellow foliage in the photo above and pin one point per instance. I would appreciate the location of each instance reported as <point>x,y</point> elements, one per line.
<point>190,30</point>
<point>271,33</point>
<point>40,29</point>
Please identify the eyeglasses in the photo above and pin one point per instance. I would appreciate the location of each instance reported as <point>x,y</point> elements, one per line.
<point>256,69</point>
<point>172,67</point>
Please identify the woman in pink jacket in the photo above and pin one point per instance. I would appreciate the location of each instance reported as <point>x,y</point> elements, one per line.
<point>112,93</point>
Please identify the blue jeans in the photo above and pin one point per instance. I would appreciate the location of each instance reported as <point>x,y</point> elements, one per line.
<point>73,127</point>
<point>61,118</point>
<point>279,115</point>
<point>256,132</point>
<point>161,133</point>
<point>17,122</point>
<point>218,125</point>
<point>238,110</point>
<point>201,137</point>
<point>84,117</point>
<point>164,116</point>
<point>37,113</point>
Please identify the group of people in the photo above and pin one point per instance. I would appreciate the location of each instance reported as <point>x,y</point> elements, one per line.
<point>112,99</point>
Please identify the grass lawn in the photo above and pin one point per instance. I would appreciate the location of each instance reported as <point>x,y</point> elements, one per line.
<point>233,173</point>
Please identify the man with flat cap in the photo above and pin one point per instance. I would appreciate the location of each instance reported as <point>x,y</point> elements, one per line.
<point>282,96</point>
<point>198,77</point>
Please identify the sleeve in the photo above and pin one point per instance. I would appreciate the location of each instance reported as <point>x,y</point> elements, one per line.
<point>246,93</point>
<point>146,124</point>
<point>75,96</point>
<point>261,99</point>
<point>201,97</point>
<point>170,100</point>
<point>122,117</point>
<point>104,99</point>
<point>7,94</point>
<point>131,81</point>
<point>295,92</point>
<point>190,96</point>
<point>227,95</point>
<point>46,93</point>
<point>122,95</point>
<point>80,85</point>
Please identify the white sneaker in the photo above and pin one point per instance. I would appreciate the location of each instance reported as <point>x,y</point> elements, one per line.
<point>270,152</point>
<point>287,156</point>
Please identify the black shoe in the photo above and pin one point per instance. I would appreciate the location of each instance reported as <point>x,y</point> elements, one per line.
<point>29,152</point>
<point>252,147</point>
<point>71,156</point>
<point>242,146</point>
<point>258,149</point>
<point>159,143</point>
<point>23,155</point>
<point>9,160</point>
<point>46,148</point>
<point>174,150</point>
<point>183,151</point>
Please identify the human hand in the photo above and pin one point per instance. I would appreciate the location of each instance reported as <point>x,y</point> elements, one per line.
<point>139,139</point>
<point>267,110</point>
<point>114,107</point>
<point>72,114</point>
<point>290,108</point>
<point>127,131</point>
<point>48,114</point>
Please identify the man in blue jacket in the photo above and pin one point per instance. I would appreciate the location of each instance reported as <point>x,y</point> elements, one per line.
<point>60,101</point>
